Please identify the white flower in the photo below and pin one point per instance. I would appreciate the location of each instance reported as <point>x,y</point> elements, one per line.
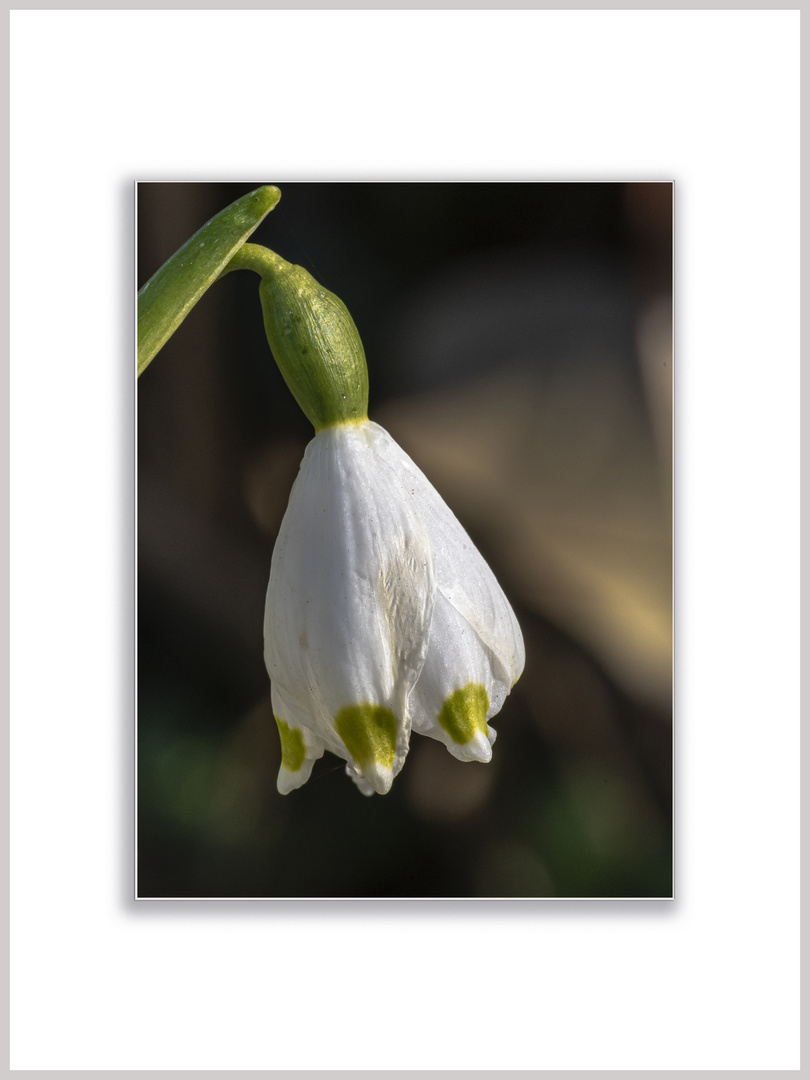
<point>381,616</point>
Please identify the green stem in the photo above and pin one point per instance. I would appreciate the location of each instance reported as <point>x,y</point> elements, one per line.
<point>261,260</point>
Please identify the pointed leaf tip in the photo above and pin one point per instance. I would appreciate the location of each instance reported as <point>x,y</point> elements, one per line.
<point>171,292</point>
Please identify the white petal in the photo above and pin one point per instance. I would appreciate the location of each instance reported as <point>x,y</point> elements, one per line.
<point>350,600</point>
<point>460,687</point>
<point>300,747</point>
<point>463,576</point>
<point>476,651</point>
<point>376,778</point>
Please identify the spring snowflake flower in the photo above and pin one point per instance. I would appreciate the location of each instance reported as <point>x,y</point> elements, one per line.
<point>382,617</point>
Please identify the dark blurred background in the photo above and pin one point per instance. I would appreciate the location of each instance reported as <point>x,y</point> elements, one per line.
<point>518,338</point>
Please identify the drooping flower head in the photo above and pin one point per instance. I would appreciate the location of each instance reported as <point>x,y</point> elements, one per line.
<point>382,617</point>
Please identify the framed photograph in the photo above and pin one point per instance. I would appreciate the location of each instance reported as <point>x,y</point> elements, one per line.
<point>517,339</point>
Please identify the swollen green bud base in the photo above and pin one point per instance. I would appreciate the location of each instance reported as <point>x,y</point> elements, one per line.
<point>313,339</point>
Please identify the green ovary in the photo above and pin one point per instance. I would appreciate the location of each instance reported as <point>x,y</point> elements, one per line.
<point>293,750</point>
<point>464,713</point>
<point>369,733</point>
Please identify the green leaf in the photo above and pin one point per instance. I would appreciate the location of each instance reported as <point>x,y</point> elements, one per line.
<point>171,293</point>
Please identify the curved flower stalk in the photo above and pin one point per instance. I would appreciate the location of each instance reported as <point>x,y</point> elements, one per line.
<point>382,617</point>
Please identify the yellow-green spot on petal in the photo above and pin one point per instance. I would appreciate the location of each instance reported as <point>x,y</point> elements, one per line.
<point>293,750</point>
<point>369,733</point>
<point>464,713</point>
